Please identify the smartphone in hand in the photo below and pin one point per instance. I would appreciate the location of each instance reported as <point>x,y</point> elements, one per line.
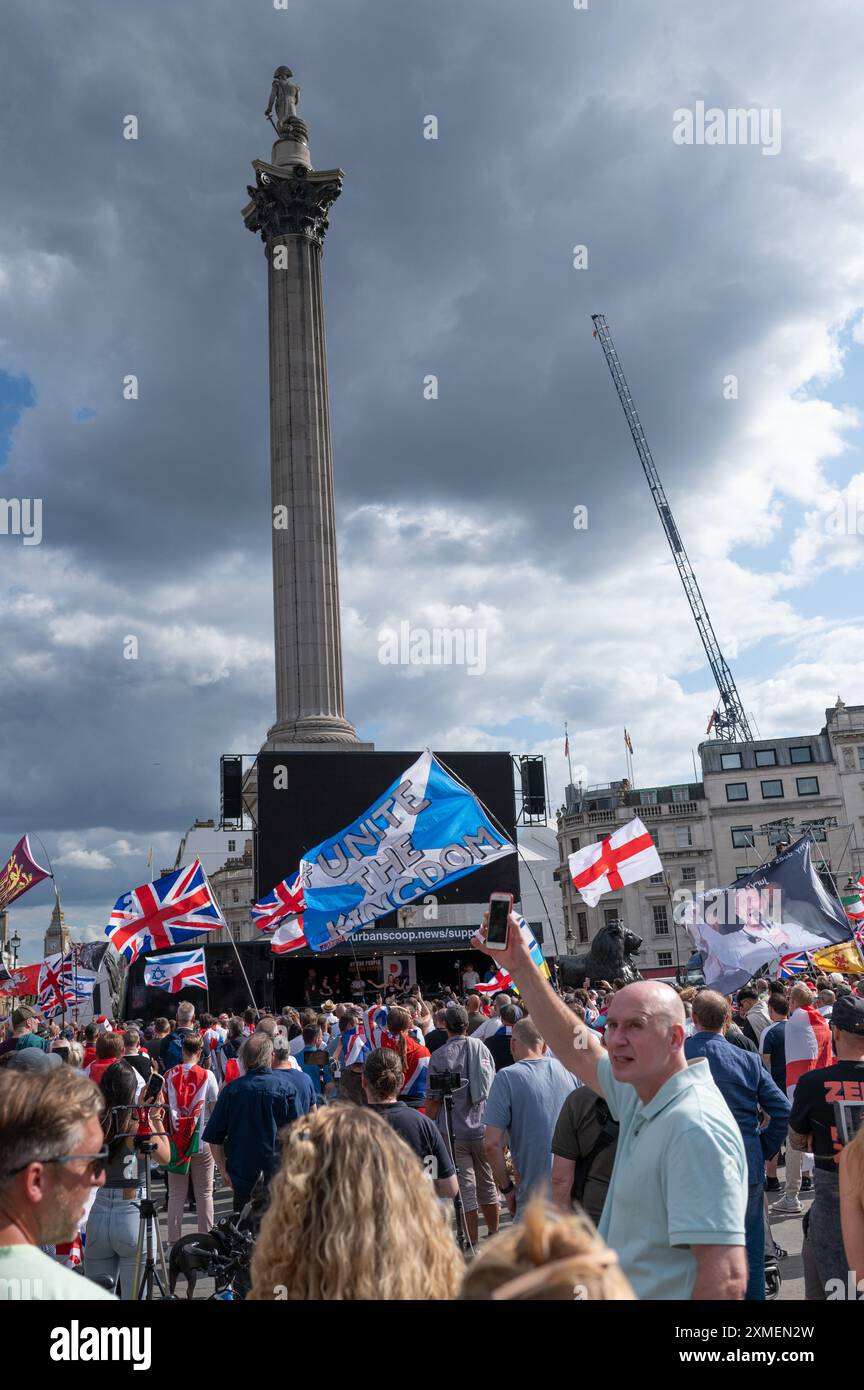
<point>497,931</point>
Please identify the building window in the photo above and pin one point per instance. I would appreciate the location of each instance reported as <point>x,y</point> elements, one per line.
<point>680,793</point>
<point>607,835</point>
<point>772,789</point>
<point>648,798</point>
<point>611,917</point>
<point>737,791</point>
<point>582,920</point>
<point>683,837</point>
<point>656,878</point>
<point>819,834</point>
<point>661,920</point>
<point>766,757</point>
<point>236,895</point>
<point>742,836</point>
<point>664,957</point>
<point>807,786</point>
<point>574,844</point>
<point>743,872</point>
<point>232,845</point>
<point>778,833</point>
<point>804,754</point>
<point>688,874</point>
<point>730,761</point>
<point>861,758</point>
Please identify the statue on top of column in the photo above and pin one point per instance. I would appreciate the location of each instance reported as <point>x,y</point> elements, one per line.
<point>284,95</point>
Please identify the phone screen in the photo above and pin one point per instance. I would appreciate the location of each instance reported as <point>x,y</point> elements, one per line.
<point>154,1087</point>
<point>499,911</point>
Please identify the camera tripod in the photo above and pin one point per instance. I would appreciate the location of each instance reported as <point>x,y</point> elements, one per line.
<point>153,1272</point>
<point>461,1229</point>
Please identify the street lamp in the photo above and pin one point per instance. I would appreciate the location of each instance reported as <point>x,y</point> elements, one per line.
<point>14,947</point>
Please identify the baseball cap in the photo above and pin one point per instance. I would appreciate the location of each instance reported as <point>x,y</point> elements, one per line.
<point>848,1014</point>
<point>34,1059</point>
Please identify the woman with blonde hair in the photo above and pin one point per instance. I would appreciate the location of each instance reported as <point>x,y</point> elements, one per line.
<point>353,1216</point>
<point>852,1201</point>
<point>550,1255</point>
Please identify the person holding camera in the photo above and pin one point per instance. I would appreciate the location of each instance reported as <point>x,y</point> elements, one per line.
<point>112,1226</point>
<point>52,1157</point>
<point>471,1061</point>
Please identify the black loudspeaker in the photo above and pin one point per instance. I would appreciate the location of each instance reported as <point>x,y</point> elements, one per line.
<point>533,775</point>
<point>231,773</point>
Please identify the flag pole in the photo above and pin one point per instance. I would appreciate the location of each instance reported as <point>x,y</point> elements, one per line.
<point>240,963</point>
<point>567,749</point>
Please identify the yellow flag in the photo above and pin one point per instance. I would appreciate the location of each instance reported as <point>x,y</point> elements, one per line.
<point>844,958</point>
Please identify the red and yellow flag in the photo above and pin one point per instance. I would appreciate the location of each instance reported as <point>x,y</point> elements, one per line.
<point>19,873</point>
<point>843,957</point>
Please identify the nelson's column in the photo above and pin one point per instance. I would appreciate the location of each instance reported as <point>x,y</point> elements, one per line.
<point>289,208</point>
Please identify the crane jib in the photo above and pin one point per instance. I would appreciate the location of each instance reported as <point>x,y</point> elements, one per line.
<point>732,724</point>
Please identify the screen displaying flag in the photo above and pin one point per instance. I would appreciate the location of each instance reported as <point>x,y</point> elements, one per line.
<point>284,902</point>
<point>176,970</point>
<point>19,873</point>
<point>424,832</point>
<point>626,856</point>
<point>168,912</point>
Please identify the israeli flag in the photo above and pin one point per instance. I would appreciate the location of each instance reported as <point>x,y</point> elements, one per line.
<point>426,831</point>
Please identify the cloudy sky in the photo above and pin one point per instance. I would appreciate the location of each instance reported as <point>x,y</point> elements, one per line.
<point>452,257</point>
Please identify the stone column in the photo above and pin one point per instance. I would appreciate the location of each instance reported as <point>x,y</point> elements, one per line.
<point>289,207</point>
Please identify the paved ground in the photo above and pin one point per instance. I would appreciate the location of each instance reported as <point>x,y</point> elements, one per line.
<point>786,1230</point>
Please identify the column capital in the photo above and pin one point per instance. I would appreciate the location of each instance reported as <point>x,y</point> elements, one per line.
<point>291,202</point>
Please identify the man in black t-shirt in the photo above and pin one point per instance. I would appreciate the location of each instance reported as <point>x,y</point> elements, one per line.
<point>827,1112</point>
<point>438,1035</point>
<point>382,1082</point>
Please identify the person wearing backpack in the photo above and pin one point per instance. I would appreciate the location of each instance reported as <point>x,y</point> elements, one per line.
<point>171,1051</point>
<point>583,1149</point>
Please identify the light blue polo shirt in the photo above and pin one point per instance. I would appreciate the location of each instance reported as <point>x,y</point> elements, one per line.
<point>680,1179</point>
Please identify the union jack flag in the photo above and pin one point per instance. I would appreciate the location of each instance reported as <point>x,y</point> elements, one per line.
<point>176,971</point>
<point>793,964</point>
<point>63,983</point>
<point>374,1023</point>
<point>353,1048</point>
<point>168,912</point>
<point>285,900</point>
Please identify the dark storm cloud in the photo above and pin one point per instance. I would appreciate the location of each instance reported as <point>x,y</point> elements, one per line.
<point>451,257</point>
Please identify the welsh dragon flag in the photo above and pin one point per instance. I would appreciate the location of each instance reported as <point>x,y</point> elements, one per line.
<point>185,1093</point>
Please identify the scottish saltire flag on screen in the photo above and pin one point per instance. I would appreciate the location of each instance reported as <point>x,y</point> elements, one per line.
<point>168,912</point>
<point>177,970</point>
<point>426,831</point>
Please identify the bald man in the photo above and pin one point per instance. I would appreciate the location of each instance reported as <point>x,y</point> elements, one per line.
<point>675,1212</point>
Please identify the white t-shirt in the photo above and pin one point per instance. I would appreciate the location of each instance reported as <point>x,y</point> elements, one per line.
<point>470,978</point>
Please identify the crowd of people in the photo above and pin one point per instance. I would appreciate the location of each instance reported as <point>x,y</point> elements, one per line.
<point>618,1141</point>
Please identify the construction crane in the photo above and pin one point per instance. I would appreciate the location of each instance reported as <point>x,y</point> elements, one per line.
<point>728,721</point>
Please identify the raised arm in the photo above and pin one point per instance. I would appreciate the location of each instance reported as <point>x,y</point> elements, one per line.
<point>576,1046</point>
